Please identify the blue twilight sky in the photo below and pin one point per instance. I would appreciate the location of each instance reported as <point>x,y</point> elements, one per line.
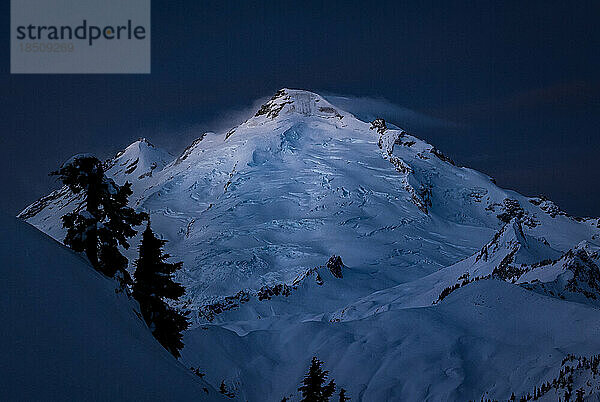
<point>508,88</point>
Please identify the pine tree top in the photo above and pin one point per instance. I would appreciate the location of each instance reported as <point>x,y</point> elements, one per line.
<point>313,387</point>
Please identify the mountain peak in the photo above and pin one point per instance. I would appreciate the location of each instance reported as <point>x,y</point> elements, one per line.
<point>138,160</point>
<point>295,104</point>
<point>297,101</point>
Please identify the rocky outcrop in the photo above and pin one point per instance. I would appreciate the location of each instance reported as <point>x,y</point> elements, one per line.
<point>421,197</point>
<point>586,275</point>
<point>547,206</point>
<point>511,209</point>
<point>272,108</point>
<point>209,311</point>
<point>267,292</point>
<point>335,266</point>
<point>379,125</point>
<point>188,151</point>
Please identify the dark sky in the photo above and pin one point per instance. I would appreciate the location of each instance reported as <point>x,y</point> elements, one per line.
<point>516,85</point>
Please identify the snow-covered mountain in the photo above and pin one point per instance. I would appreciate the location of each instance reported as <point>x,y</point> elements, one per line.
<point>448,287</point>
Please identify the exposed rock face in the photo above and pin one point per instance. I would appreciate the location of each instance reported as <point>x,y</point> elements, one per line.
<point>266,292</point>
<point>387,140</point>
<point>209,311</point>
<point>379,125</point>
<point>547,206</point>
<point>335,266</point>
<point>272,108</point>
<point>189,150</point>
<point>512,209</point>
<point>586,275</point>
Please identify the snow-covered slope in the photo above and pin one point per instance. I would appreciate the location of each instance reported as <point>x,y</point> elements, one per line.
<point>66,334</point>
<point>490,337</point>
<point>256,213</point>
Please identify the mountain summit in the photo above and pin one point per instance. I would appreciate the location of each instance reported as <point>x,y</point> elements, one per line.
<point>256,214</point>
<point>298,101</point>
<point>288,104</point>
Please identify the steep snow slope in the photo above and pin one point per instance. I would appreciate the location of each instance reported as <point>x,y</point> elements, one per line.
<point>66,334</point>
<point>257,212</point>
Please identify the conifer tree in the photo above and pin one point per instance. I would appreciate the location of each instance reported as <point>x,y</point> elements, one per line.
<point>313,387</point>
<point>343,397</point>
<point>153,284</point>
<point>106,223</point>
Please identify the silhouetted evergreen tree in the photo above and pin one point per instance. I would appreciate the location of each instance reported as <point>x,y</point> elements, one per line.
<point>106,223</point>
<point>343,397</point>
<point>313,386</point>
<point>153,284</point>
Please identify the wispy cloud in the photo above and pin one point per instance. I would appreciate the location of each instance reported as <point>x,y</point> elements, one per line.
<point>175,137</point>
<point>227,119</point>
<point>368,108</point>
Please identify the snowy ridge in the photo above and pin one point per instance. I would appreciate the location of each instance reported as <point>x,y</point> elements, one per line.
<point>256,212</point>
<point>575,276</point>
